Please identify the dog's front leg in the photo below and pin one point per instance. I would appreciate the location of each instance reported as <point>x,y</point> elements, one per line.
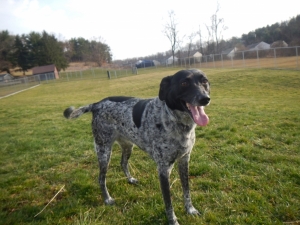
<point>183,168</point>
<point>164,174</point>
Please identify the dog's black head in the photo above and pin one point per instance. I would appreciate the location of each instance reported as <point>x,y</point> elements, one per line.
<point>187,91</point>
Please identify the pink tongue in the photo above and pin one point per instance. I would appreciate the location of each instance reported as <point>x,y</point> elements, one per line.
<point>199,115</point>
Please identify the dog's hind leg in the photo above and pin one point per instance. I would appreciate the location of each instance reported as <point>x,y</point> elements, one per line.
<point>104,153</point>
<point>126,153</point>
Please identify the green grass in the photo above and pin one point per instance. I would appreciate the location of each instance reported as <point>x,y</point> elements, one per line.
<point>244,169</point>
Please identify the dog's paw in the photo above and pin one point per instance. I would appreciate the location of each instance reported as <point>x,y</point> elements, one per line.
<point>109,201</point>
<point>132,180</point>
<point>192,211</point>
<point>174,223</point>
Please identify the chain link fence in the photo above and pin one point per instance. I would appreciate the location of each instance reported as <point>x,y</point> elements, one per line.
<point>8,87</point>
<point>273,58</point>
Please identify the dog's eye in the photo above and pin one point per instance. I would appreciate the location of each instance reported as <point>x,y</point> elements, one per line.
<point>184,84</point>
<point>204,81</point>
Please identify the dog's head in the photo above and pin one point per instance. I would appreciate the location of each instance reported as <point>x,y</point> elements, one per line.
<point>187,91</point>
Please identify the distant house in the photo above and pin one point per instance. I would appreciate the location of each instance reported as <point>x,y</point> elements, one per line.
<point>258,46</point>
<point>48,72</point>
<point>5,77</point>
<point>169,61</point>
<point>144,63</point>
<point>156,63</point>
<point>196,54</point>
<point>279,44</point>
<point>230,52</point>
<point>192,54</point>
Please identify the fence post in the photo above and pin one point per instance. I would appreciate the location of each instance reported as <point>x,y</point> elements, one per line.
<point>38,78</point>
<point>275,61</point>
<point>222,60</point>
<point>92,72</point>
<point>257,57</point>
<point>297,57</point>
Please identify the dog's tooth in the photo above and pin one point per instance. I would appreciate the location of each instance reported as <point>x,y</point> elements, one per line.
<point>188,106</point>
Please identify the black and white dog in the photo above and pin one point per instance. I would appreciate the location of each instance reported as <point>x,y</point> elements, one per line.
<point>164,127</point>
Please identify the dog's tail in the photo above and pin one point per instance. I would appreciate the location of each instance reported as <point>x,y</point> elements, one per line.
<point>71,112</point>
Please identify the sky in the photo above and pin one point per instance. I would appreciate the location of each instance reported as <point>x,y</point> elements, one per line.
<point>134,28</point>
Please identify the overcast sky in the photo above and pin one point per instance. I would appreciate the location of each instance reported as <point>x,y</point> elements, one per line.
<point>133,28</point>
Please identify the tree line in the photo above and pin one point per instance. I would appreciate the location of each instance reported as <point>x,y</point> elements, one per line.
<point>38,49</point>
<point>289,31</point>
<point>213,42</point>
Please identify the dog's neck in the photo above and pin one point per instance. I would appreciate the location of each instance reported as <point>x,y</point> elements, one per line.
<point>170,113</point>
<point>185,120</point>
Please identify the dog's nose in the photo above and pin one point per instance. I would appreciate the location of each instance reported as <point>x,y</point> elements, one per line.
<point>204,101</point>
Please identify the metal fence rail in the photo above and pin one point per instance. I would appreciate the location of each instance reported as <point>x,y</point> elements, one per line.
<point>11,86</point>
<point>274,58</point>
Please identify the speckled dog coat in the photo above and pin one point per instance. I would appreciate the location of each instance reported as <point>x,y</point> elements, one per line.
<point>164,127</point>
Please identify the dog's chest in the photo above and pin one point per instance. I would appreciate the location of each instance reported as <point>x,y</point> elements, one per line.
<point>158,129</point>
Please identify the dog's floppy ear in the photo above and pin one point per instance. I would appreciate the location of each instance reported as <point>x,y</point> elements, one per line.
<point>165,85</point>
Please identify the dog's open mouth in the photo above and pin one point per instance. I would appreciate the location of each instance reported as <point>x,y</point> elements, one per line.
<point>198,114</point>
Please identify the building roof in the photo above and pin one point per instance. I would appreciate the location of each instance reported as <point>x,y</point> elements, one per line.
<point>227,51</point>
<point>277,44</point>
<point>255,44</point>
<point>43,69</point>
<point>191,54</point>
<point>5,74</point>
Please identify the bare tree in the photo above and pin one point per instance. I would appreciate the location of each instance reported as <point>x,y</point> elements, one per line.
<point>216,28</point>
<point>200,40</point>
<point>179,47</point>
<point>190,43</point>
<point>171,32</point>
<point>209,39</point>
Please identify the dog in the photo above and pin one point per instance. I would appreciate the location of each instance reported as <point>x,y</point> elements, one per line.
<point>164,127</point>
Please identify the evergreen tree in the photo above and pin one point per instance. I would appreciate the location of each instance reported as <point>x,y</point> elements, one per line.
<point>34,45</point>
<point>6,46</point>
<point>21,55</point>
<point>52,52</point>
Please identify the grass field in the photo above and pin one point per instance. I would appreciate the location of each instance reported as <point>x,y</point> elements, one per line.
<point>244,169</point>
